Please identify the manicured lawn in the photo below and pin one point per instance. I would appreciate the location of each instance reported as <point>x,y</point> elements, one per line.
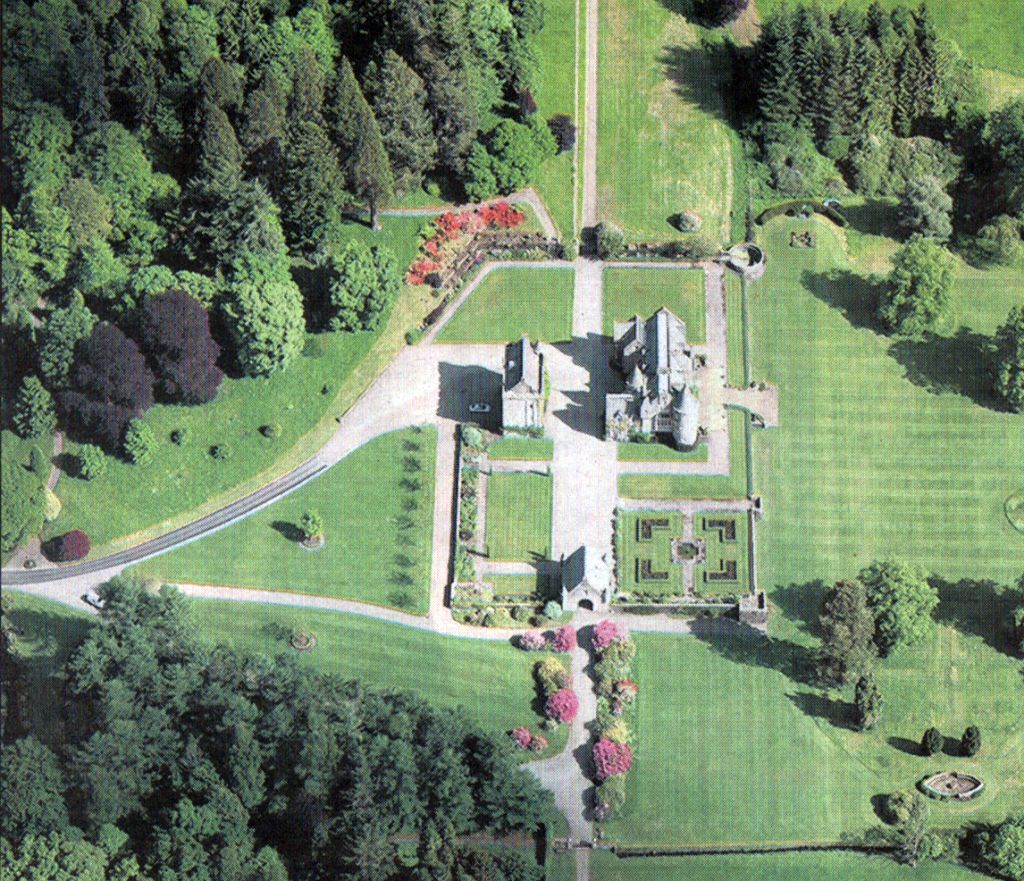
<point>676,486</point>
<point>720,552</point>
<point>514,301</point>
<point>555,92</point>
<point>518,516</point>
<point>662,146</point>
<point>661,452</point>
<point>378,545</point>
<point>987,30</point>
<point>886,448</point>
<point>734,329</point>
<point>723,751</point>
<point>772,867</point>
<point>643,291</point>
<point>48,632</point>
<point>131,503</point>
<point>630,550</point>
<point>492,681</point>
<point>539,449</point>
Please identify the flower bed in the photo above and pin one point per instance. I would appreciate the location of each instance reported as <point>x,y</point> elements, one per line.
<point>617,693</point>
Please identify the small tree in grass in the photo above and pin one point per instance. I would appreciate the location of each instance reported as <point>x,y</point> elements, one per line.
<point>37,463</point>
<point>562,128</point>
<point>925,208</point>
<point>847,633</point>
<point>970,743</point>
<point>902,601</point>
<point>139,443</point>
<point>312,527</point>
<point>867,702</point>
<point>913,843</point>
<point>1008,361</point>
<point>92,462</point>
<point>70,546</point>
<point>932,741</point>
<point>611,241</point>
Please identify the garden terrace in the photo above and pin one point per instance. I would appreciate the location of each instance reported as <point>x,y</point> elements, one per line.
<point>643,548</point>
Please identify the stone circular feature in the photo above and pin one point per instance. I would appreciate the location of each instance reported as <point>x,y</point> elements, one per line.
<point>313,544</point>
<point>952,785</point>
<point>302,641</point>
<point>687,550</point>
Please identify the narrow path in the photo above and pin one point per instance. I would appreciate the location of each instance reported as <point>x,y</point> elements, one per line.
<point>444,526</point>
<point>528,196</point>
<point>590,112</point>
<point>58,448</point>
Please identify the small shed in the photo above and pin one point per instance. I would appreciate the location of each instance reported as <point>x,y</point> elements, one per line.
<point>522,396</point>
<point>586,581</point>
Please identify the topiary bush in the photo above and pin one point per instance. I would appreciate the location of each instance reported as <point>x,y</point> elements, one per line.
<point>66,548</point>
<point>179,437</point>
<point>139,443</point>
<point>552,610</point>
<point>611,241</point>
<point>91,462</point>
<point>970,742</point>
<point>550,675</point>
<point>687,221</point>
<point>220,451</point>
<point>564,639</point>
<point>612,758</point>
<point>271,430</point>
<point>932,741</point>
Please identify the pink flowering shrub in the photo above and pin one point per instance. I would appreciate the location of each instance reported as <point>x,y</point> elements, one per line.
<point>522,737</point>
<point>538,744</point>
<point>562,706</point>
<point>605,633</point>
<point>533,641</point>
<point>564,639</point>
<point>612,758</point>
<point>626,690</point>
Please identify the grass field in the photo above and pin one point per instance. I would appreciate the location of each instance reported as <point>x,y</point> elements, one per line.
<point>378,549</point>
<point>130,502</point>
<point>537,449</point>
<point>886,447</point>
<point>676,486</point>
<point>499,695</point>
<point>734,329</point>
<point>661,452</point>
<point>988,31</point>
<point>772,867</point>
<point>511,302</point>
<point>555,92</point>
<point>518,516</point>
<point>643,291</point>
<point>662,145</point>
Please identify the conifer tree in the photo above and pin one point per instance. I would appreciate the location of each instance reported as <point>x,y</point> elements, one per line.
<point>33,409</point>
<point>312,187</point>
<point>368,168</point>
<point>779,88</point>
<point>307,98</point>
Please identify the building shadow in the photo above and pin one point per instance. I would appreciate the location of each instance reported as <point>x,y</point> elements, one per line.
<point>948,365</point>
<point>855,296</point>
<point>463,386</point>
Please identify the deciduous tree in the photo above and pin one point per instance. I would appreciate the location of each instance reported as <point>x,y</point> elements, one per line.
<point>1008,361</point>
<point>902,601</point>
<point>916,298</point>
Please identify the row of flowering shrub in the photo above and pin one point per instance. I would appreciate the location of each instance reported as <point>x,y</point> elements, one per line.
<point>525,739</point>
<point>448,234</point>
<point>561,704</point>
<point>561,640</point>
<point>613,752</point>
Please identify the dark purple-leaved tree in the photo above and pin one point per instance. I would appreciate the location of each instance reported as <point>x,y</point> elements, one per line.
<point>174,333</point>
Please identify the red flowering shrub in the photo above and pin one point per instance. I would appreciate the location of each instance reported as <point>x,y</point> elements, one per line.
<point>564,639</point>
<point>501,214</point>
<point>605,633</point>
<point>626,690</point>
<point>522,737</point>
<point>533,641</point>
<point>612,758</point>
<point>538,744</point>
<point>562,706</point>
<point>70,546</point>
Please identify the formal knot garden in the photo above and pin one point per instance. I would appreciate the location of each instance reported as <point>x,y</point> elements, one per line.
<point>952,785</point>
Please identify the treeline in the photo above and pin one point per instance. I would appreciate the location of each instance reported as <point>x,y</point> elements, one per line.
<point>186,762</point>
<point>874,100</point>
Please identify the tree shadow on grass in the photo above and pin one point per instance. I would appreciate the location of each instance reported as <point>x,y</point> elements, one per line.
<point>314,283</point>
<point>289,530</point>
<point>855,296</point>
<point>744,645</point>
<point>801,603</point>
<point>695,75</point>
<point>905,745</point>
<point>948,365</point>
<point>979,607</point>
<point>837,712</point>
<point>874,217</point>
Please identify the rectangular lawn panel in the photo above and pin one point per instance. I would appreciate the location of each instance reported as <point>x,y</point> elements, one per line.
<point>723,752</point>
<point>512,301</point>
<point>555,92</point>
<point>378,509</point>
<point>662,144</point>
<point>630,550</point>
<point>643,291</point>
<point>661,452</point>
<point>680,486</point>
<point>538,449</point>
<point>518,516</point>
<point>492,681</point>
<point>734,330</point>
<point>833,866</point>
<point>886,448</point>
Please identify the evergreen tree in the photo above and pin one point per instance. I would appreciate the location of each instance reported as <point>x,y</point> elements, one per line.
<point>22,281</point>
<point>399,102</point>
<point>32,789</point>
<point>867,702</point>
<point>307,97</point>
<point>312,187</point>
<point>932,741</point>
<point>970,742</point>
<point>365,281</point>
<point>368,853</point>
<point>779,88</point>
<point>847,633</point>
<point>368,169</point>
<point>264,130</point>
<point>345,111</point>
<point>88,80</point>
<point>33,409</point>
<point>1008,361</point>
